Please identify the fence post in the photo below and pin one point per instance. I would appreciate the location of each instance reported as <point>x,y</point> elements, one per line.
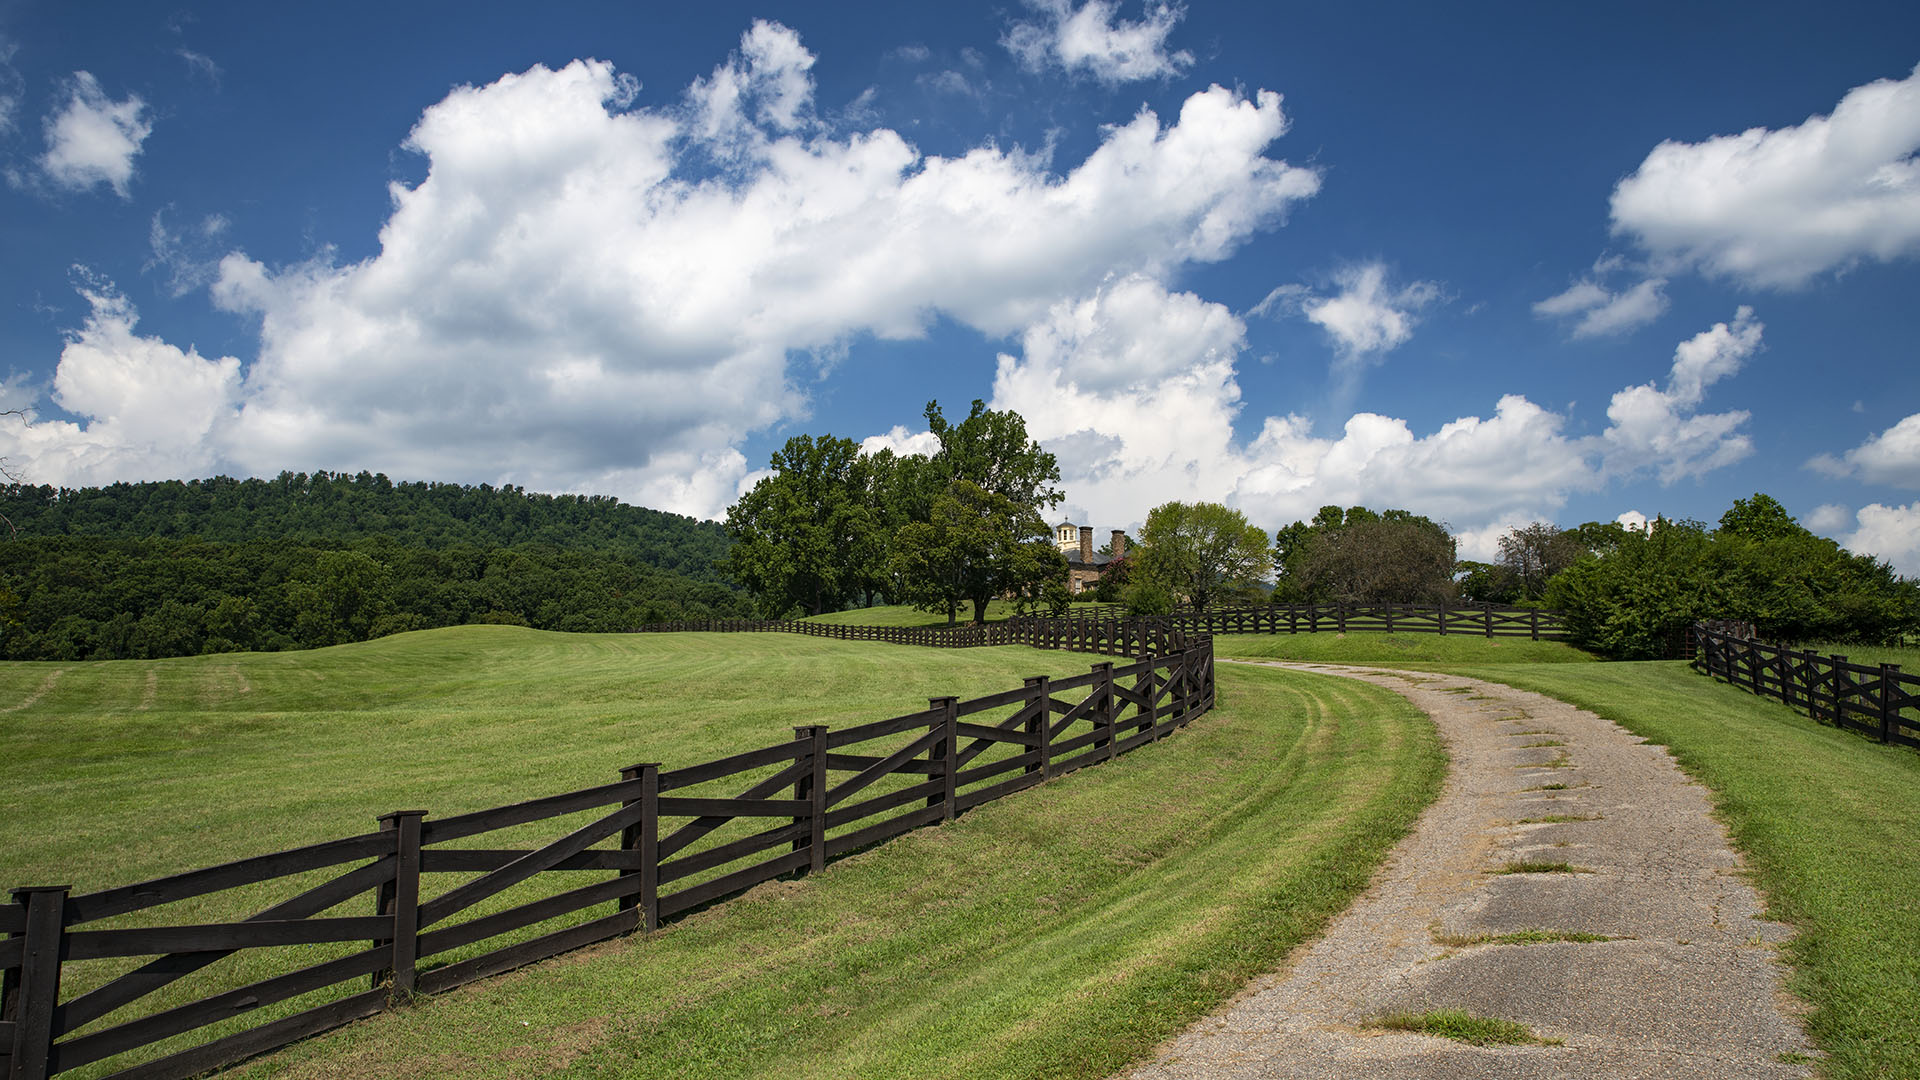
<point>1840,679</point>
<point>1341,612</point>
<point>943,752</point>
<point>1103,717</point>
<point>811,788</point>
<point>1533,621</point>
<point>643,838</point>
<point>1810,678</point>
<point>1039,722</point>
<point>399,899</point>
<point>1149,682</point>
<point>34,999</point>
<point>1889,675</point>
<point>1486,615</point>
<point>1443,618</point>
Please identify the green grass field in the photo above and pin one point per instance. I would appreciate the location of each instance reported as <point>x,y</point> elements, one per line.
<point>1397,650</point>
<point>1908,657</point>
<point>1064,931</point>
<point>125,770</point>
<point>1061,932</point>
<point>1826,822</point>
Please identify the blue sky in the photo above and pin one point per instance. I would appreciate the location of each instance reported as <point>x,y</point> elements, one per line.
<point>1526,262</point>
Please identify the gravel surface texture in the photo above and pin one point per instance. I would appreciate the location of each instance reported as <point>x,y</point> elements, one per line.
<point>1687,985</point>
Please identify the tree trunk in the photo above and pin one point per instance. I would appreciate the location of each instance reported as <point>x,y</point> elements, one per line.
<point>980,611</point>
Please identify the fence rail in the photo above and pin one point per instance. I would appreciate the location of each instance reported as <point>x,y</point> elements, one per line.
<point>1873,699</point>
<point>654,844</point>
<point>1481,620</point>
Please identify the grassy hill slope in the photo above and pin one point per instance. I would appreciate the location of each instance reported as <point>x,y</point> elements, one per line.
<point>1061,932</point>
<point>209,758</point>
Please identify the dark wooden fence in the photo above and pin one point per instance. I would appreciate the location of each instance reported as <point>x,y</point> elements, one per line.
<point>453,900</point>
<point>1482,620</point>
<point>1873,699</point>
<point>1110,637</point>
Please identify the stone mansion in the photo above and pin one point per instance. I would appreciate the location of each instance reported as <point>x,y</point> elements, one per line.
<point>1083,566</point>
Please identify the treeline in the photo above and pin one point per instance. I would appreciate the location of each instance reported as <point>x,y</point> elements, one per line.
<point>92,598</point>
<point>336,507</point>
<point>176,568</point>
<point>1628,593</point>
<point>1758,566</point>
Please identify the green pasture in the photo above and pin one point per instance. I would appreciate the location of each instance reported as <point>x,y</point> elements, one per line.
<point>122,771</point>
<point>1061,932</point>
<point>1825,820</point>
<point>1908,657</point>
<point>1064,931</point>
<point>1396,650</point>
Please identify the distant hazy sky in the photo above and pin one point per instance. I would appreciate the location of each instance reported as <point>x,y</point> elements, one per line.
<point>1492,263</point>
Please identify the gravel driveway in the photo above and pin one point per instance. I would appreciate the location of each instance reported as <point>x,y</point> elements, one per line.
<point>1687,984</point>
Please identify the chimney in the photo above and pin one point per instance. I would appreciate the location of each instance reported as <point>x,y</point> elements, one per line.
<point>1086,545</point>
<point>1119,548</point>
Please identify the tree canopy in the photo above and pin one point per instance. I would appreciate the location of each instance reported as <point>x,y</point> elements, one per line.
<point>1759,566</point>
<point>962,525</point>
<point>810,536</point>
<point>1359,556</point>
<point>1202,551</point>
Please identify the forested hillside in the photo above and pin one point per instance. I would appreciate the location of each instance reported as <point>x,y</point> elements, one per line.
<point>177,568</point>
<point>325,506</point>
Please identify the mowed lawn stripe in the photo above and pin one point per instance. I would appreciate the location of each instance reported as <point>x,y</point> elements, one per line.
<point>1063,932</point>
<point>245,754</point>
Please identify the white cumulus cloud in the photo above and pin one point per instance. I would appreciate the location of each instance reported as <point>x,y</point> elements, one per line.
<point>1368,317</point>
<point>1599,312</point>
<point>587,294</point>
<point>1775,207</point>
<point>1473,471</point>
<point>1889,533</point>
<point>902,442</point>
<point>1133,388</point>
<point>1090,39</point>
<point>1891,457</point>
<point>153,411</point>
<point>1660,429</point>
<point>93,139</point>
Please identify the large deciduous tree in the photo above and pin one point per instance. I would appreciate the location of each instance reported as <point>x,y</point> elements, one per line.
<point>1359,556</point>
<point>1201,551</point>
<point>1532,554</point>
<point>973,528</point>
<point>810,535</point>
<point>975,545</point>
